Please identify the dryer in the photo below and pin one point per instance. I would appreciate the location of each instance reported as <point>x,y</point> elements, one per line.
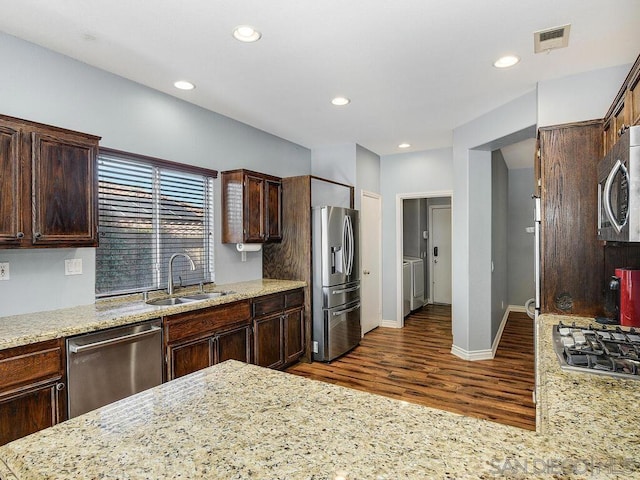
<point>416,267</point>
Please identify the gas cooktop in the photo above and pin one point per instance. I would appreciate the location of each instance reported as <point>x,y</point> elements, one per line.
<point>605,351</point>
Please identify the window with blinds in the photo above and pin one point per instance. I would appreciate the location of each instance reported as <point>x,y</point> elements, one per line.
<point>149,210</point>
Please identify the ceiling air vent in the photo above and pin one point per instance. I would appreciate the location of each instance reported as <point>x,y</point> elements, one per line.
<point>551,38</point>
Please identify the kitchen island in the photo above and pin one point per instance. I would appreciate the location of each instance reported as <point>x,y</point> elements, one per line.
<point>235,420</point>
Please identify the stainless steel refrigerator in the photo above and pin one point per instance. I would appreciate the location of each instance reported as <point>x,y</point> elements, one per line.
<point>336,281</point>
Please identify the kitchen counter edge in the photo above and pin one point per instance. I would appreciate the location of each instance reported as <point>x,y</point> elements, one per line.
<point>25,329</point>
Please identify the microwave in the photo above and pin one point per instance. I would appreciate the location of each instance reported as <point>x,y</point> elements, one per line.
<point>619,190</point>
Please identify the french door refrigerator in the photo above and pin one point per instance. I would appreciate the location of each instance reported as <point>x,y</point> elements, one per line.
<point>336,281</point>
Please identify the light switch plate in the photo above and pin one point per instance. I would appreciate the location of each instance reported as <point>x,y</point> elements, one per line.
<point>4,271</point>
<point>73,266</point>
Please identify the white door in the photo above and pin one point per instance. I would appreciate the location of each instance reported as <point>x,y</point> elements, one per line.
<point>371,261</point>
<point>440,253</point>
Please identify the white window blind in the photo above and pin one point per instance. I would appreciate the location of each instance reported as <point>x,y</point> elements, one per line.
<point>147,212</point>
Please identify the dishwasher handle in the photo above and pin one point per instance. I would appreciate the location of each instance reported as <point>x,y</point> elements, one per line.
<point>113,341</point>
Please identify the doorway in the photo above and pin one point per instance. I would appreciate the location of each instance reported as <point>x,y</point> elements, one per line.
<point>413,234</point>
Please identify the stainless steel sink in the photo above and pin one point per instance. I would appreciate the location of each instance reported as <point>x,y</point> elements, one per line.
<point>169,301</point>
<point>196,297</point>
<point>203,296</point>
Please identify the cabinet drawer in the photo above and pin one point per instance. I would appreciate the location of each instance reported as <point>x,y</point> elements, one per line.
<point>294,299</point>
<point>32,363</point>
<point>268,304</point>
<point>201,323</point>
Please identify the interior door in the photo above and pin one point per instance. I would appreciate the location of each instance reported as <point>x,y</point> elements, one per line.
<point>440,254</point>
<point>371,248</point>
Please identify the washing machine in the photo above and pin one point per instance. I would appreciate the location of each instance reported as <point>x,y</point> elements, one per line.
<point>416,268</point>
<point>406,288</point>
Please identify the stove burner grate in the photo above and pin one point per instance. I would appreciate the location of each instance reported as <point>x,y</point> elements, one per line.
<point>604,351</point>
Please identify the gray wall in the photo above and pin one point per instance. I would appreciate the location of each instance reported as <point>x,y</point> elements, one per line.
<point>499,243</point>
<point>367,173</point>
<point>350,164</point>
<point>43,86</point>
<point>406,174</point>
<point>579,97</point>
<point>520,243</point>
<point>471,218</point>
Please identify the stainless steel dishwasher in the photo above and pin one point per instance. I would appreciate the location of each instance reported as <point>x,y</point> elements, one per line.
<point>112,364</point>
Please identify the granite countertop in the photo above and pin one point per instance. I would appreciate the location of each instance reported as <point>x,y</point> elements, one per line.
<point>29,328</point>
<point>601,410</point>
<point>239,421</point>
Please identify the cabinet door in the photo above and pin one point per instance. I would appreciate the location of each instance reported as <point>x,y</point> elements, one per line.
<point>254,209</point>
<point>30,411</point>
<point>294,335</point>
<point>268,341</point>
<point>233,345</point>
<point>572,274</point>
<point>273,203</point>
<point>189,357</point>
<point>64,190</point>
<point>11,226</point>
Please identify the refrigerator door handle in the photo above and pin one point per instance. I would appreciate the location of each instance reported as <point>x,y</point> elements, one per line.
<point>537,217</point>
<point>345,290</point>
<point>348,243</point>
<point>346,310</point>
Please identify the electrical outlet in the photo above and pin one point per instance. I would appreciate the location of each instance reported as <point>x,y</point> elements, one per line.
<point>73,266</point>
<point>4,271</point>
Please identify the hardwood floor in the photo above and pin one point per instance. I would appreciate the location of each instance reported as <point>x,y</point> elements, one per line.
<point>415,364</point>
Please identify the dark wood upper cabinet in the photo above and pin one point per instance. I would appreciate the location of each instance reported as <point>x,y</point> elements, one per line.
<point>251,207</point>
<point>49,197</point>
<point>10,186</point>
<point>625,109</point>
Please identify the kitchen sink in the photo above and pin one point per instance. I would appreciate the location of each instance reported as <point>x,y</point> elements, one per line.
<point>204,296</point>
<point>196,297</point>
<point>169,301</point>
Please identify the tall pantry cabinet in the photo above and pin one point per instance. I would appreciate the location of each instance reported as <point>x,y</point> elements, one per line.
<point>572,262</point>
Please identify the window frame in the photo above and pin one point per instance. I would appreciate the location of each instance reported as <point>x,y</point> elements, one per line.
<point>159,165</point>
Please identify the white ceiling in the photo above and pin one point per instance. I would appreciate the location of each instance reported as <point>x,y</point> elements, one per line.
<point>414,69</point>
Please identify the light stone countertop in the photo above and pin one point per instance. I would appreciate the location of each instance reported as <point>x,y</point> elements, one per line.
<point>29,328</point>
<point>603,411</point>
<point>238,421</point>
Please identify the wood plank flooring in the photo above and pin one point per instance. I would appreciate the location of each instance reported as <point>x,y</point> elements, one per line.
<point>415,364</point>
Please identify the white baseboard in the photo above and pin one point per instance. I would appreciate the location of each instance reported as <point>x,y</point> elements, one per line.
<point>488,354</point>
<point>472,355</point>
<point>389,324</point>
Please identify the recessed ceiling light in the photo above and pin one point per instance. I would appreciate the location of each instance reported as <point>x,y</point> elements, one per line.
<point>340,101</point>
<point>184,85</point>
<point>246,33</point>
<point>404,145</point>
<point>506,61</point>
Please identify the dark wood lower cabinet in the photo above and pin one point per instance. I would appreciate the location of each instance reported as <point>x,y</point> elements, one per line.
<point>294,335</point>
<point>278,329</point>
<point>267,341</point>
<point>233,345</point>
<point>189,357</point>
<point>32,389</point>
<point>30,411</point>
<point>201,338</point>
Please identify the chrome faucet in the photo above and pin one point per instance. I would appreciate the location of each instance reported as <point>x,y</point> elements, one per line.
<point>170,280</point>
